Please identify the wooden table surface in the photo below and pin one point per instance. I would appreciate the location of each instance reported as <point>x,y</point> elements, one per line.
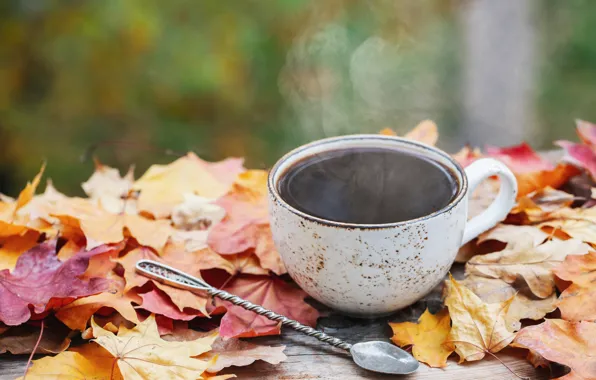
<point>310,359</point>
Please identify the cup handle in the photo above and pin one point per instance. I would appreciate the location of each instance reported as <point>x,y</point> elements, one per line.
<point>477,172</point>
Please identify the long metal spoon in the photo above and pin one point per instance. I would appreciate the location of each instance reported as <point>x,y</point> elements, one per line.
<point>375,356</point>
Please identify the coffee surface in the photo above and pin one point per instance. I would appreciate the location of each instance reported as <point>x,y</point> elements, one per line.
<point>368,185</point>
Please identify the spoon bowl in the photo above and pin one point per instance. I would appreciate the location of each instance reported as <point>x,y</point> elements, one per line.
<point>383,357</point>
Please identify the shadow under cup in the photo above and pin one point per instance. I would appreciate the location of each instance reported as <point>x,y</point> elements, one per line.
<point>367,269</point>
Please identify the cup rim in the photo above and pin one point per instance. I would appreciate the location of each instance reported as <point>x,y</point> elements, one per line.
<point>273,190</point>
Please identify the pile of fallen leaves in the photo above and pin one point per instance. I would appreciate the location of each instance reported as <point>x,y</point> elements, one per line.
<point>68,285</point>
<point>530,282</point>
<point>67,275</point>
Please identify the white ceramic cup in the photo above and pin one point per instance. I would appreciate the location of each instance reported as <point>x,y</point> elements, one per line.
<point>367,270</point>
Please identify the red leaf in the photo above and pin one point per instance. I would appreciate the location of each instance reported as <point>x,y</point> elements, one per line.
<point>40,277</point>
<point>581,154</point>
<point>587,132</point>
<point>271,293</point>
<point>246,224</point>
<point>520,158</point>
<point>156,301</point>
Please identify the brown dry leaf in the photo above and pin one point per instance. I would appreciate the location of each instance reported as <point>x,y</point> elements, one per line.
<point>570,343</point>
<point>108,190</point>
<point>427,337</point>
<point>523,259</point>
<point>141,354</point>
<point>579,223</point>
<point>89,361</point>
<point>22,339</point>
<point>76,314</point>
<point>525,304</point>
<point>162,187</point>
<point>229,352</point>
<point>477,327</point>
<point>578,301</point>
<point>509,233</point>
<point>425,132</point>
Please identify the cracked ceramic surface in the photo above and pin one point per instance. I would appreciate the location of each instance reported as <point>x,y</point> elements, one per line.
<point>371,270</point>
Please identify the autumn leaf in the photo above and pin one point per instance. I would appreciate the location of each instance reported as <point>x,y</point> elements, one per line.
<point>427,337</point>
<point>525,305</point>
<point>578,223</point>
<point>570,343</point>
<point>508,233</point>
<point>532,171</point>
<point>196,213</point>
<point>39,277</point>
<point>271,293</point>
<point>425,132</point>
<point>587,132</point>
<point>11,247</point>
<point>478,328</point>
<point>109,191</point>
<point>163,187</point>
<point>28,192</point>
<point>159,302</point>
<point>578,301</point>
<point>175,256</point>
<point>582,155</point>
<point>141,354</point>
<point>22,339</point>
<point>246,224</point>
<point>229,352</point>
<point>76,315</point>
<point>532,263</point>
<point>467,155</point>
<point>89,361</point>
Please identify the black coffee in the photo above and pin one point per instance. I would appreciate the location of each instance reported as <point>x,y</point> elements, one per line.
<point>368,185</point>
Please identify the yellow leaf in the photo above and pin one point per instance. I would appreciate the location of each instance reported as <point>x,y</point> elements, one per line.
<point>427,337</point>
<point>163,186</point>
<point>425,132</point>
<point>11,247</point>
<point>579,223</point>
<point>477,327</point>
<point>523,259</point>
<point>89,361</point>
<point>142,354</point>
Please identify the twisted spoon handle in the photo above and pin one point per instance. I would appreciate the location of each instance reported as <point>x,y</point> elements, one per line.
<point>174,277</point>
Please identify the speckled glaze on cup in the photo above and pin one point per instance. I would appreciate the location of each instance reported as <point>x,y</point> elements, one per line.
<point>368,270</point>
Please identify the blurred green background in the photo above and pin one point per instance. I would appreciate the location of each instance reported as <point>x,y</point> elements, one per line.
<point>139,81</point>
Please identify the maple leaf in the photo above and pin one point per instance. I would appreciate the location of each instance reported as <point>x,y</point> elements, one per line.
<point>271,293</point>
<point>578,301</point>
<point>587,132</point>
<point>531,171</point>
<point>76,314</point>
<point>163,187</point>
<point>579,223</point>
<point>425,132</point>
<point>177,257</point>
<point>229,352</point>
<point>538,204</point>
<point>427,337</point>
<point>11,247</point>
<point>532,263</point>
<point>108,190</point>
<point>570,343</point>
<point>39,277</point>
<point>246,224</point>
<point>467,155</point>
<point>141,354</point>
<point>508,233</point>
<point>158,302</point>
<point>477,327</point>
<point>582,155</point>
<point>525,305</point>
<point>9,213</point>
<point>89,361</point>
<point>23,339</point>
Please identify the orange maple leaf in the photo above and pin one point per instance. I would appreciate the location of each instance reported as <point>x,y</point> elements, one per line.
<point>578,301</point>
